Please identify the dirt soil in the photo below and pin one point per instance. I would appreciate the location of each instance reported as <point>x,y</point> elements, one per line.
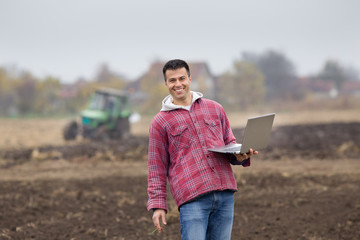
<point>306,185</point>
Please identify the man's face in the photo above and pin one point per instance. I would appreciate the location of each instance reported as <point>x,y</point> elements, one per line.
<point>178,83</point>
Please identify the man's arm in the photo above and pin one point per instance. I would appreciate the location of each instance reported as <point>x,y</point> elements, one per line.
<point>228,135</point>
<point>234,159</point>
<point>158,163</point>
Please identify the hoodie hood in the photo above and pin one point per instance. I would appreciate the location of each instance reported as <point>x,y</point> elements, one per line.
<point>167,103</point>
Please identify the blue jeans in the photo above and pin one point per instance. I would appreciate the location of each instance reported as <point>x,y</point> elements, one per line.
<point>209,217</point>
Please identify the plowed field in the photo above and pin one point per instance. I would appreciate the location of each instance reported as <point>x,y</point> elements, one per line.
<point>306,185</point>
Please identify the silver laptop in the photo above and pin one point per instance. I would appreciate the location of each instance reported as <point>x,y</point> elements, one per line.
<point>256,136</point>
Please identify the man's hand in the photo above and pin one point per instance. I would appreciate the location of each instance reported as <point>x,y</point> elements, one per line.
<point>158,218</point>
<point>242,156</point>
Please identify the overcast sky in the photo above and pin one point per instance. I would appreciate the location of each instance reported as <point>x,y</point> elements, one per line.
<point>71,38</point>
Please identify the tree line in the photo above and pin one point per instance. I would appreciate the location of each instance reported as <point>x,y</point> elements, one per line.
<point>252,80</point>
<point>24,95</point>
<point>255,79</point>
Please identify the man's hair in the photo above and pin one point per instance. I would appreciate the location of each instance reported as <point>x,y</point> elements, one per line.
<point>174,65</point>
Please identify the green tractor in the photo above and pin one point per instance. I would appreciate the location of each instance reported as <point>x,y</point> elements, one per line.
<point>107,116</point>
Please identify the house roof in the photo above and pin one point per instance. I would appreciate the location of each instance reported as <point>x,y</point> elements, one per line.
<point>351,86</point>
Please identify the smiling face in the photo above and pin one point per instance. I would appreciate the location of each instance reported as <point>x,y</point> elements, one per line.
<point>178,83</point>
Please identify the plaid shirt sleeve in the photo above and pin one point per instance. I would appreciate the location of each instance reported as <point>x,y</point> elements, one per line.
<point>229,138</point>
<point>234,161</point>
<point>158,163</point>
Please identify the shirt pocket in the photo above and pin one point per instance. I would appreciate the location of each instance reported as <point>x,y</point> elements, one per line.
<point>180,138</point>
<point>214,129</point>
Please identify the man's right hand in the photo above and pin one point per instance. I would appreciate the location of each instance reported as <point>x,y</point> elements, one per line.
<point>158,218</point>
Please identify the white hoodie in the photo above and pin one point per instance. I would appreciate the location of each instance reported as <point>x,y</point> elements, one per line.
<point>168,105</point>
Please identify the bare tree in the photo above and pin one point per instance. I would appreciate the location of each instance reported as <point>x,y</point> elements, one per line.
<point>333,71</point>
<point>278,70</point>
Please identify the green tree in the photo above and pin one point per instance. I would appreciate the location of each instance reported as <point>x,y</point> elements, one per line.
<point>8,95</point>
<point>25,89</point>
<point>3,81</point>
<point>243,85</point>
<point>3,92</point>
<point>47,96</point>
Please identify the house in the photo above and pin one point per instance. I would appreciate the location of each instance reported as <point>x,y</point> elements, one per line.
<point>320,88</point>
<point>351,87</point>
<point>325,89</point>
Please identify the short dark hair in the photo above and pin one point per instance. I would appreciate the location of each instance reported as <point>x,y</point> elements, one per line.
<point>176,64</point>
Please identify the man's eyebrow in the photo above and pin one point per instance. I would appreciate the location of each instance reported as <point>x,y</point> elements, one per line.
<point>183,76</point>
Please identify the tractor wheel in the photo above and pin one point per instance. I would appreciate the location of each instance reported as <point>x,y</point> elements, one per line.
<point>70,130</point>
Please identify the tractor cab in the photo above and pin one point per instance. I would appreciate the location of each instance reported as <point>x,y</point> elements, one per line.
<point>107,115</point>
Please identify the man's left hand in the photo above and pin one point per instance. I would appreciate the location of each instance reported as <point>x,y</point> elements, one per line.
<point>242,156</point>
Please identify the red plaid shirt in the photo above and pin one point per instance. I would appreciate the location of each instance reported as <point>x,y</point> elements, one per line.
<point>178,143</point>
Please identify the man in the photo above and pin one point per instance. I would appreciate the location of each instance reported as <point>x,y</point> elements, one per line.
<point>201,182</point>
